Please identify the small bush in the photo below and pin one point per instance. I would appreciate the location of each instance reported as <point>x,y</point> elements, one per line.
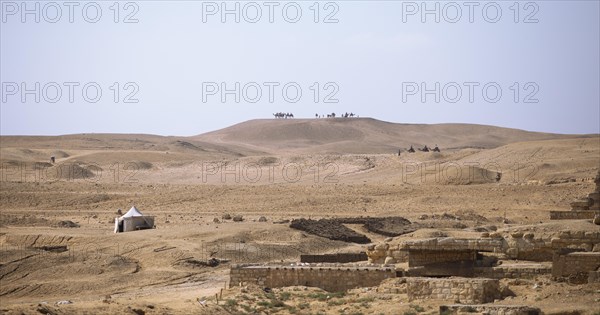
<point>284,296</point>
<point>231,303</point>
<point>336,302</point>
<point>248,309</point>
<point>303,306</point>
<point>320,296</point>
<point>263,303</point>
<point>365,299</point>
<point>337,294</point>
<point>417,308</point>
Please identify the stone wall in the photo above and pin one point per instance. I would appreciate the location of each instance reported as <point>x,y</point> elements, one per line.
<point>514,271</point>
<point>334,258</point>
<point>519,246</point>
<point>585,241</point>
<point>524,246</point>
<point>573,215</point>
<point>592,201</point>
<point>490,309</point>
<point>382,253</point>
<point>454,244</point>
<point>441,263</point>
<point>594,277</point>
<point>571,264</point>
<point>464,290</point>
<point>449,269</point>
<point>329,278</point>
<point>427,257</point>
<point>582,209</point>
<point>390,254</point>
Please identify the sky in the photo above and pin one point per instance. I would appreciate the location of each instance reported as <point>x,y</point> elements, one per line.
<point>188,67</point>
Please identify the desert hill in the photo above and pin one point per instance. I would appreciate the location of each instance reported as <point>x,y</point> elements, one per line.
<point>266,136</point>
<point>108,148</point>
<point>364,135</point>
<point>353,150</point>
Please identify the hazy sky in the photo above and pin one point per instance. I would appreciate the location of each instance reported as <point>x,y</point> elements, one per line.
<point>173,69</point>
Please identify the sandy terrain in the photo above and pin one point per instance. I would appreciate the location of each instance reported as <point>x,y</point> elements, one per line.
<point>280,169</point>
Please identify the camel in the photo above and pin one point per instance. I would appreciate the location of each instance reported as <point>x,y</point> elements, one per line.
<point>283,115</point>
<point>411,150</point>
<point>344,115</point>
<point>436,149</point>
<point>425,149</point>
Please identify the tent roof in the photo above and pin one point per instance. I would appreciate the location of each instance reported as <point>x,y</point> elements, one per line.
<point>133,212</point>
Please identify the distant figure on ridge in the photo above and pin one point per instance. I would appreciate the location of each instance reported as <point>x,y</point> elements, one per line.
<point>283,115</point>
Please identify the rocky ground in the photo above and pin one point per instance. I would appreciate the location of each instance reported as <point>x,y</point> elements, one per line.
<point>59,255</point>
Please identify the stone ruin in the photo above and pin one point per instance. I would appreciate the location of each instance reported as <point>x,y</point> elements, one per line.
<point>334,258</point>
<point>577,267</point>
<point>447,256</point>
<point>585,208</point>
<point>592,201</point>
<point>483,257</point>
<point>330,277</point>
<point>464,290</point>
<point>456,269</point>
<point>461,270</point>
<point>570,255</point>
<point>489,309</point>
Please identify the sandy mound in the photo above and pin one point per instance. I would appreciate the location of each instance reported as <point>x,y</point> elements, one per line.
<point>71,171</point>
<point>60,154</point>
<point>365,135</point>
<point>335,229</point>
<point>330,229</point>
<point>67,224</point>
<point>140,165</point>
<point>23,220</point>
<point>186,145</point>
<point>467,175</point>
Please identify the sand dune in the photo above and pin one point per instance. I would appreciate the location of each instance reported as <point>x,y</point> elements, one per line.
<point>364,135</point>
<point>263,136</point>
<point>346,150</point>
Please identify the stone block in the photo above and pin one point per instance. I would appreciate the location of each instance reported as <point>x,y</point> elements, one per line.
<point>581,203</point>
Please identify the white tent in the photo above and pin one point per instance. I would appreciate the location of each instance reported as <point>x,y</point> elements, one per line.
<point>133,220</point>
<point>133,212</point>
